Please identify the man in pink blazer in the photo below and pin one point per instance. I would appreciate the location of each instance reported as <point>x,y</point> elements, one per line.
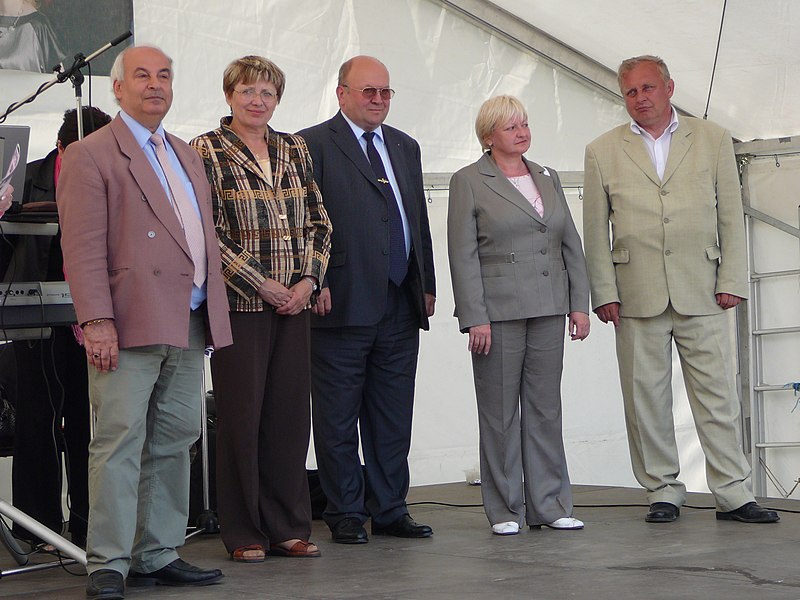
<point>136,265</point>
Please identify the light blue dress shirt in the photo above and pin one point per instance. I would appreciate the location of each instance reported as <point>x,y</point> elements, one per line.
<point>380,146</point>
<point>142,136</point>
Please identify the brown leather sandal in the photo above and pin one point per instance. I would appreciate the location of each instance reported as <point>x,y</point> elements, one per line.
<point>300,549</point>
<point>249,554</point>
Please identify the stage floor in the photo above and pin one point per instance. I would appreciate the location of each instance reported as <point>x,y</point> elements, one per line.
<point>617,557</point>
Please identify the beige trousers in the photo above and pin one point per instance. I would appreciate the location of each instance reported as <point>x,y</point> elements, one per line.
<point>644,354</point>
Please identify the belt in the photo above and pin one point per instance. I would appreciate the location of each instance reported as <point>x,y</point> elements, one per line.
<point>510,258</point>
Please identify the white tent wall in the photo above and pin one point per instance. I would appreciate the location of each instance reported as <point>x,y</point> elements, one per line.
<point>443,67</point>
<point>771,186</point>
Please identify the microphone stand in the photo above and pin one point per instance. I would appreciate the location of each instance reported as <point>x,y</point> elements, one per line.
<point>61,76</point>
<point>74,553</point>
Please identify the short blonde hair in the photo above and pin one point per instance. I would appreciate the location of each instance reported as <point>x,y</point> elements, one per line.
<point>496,112</point>
<point>250,69</point>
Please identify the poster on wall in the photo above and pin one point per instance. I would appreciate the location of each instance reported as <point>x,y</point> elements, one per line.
<point>37,35</point>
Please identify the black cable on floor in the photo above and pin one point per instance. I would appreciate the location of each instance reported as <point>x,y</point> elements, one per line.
<point>638,505</point>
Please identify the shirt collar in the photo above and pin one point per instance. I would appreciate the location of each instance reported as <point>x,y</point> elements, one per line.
<point>140,132</point>
<point>673,125</point>
<point>358,131</point>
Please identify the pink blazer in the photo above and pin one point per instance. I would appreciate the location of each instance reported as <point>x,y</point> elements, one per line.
<point>125,254</point>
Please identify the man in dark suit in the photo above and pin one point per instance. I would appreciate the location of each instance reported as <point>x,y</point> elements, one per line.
<point>378,292</point>
<point>144,271</point>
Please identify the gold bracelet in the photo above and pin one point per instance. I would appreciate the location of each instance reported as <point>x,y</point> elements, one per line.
<point>93,322</point>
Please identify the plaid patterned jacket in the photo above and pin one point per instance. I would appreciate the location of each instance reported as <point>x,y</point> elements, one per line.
<point>281,232</point>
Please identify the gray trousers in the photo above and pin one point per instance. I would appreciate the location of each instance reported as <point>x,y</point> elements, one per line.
<point>148,415</point>
<point>524,474</point>
<point>644,353</point>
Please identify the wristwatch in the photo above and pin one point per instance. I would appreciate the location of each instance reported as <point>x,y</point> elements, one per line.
<point>314,289</point>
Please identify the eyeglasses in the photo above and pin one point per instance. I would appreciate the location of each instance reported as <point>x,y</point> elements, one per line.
<point>249,94</point>
<point>369,92</point>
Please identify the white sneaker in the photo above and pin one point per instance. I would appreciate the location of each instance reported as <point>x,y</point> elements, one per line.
<point>565,523</point>
<point>507,528</point>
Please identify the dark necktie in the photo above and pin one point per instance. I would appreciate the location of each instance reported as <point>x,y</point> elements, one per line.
<point>398,260</point>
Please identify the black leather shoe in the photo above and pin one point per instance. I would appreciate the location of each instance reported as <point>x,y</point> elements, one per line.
<point>178,572</point>
<point>404,527</point>
<point>662,512</point>
<point>349,531</point>
<point>749,513</point>
<point>105,584</point>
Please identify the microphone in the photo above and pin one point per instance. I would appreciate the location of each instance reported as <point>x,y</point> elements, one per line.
<point>121,38</point>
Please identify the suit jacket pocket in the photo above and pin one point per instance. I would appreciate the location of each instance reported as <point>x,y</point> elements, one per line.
<point>713,253</point>
<point>620,256</point>
<point>501,270</point>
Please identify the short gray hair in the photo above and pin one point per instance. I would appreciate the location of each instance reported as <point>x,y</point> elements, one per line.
<point>118,68</point>
<point>629,64</point>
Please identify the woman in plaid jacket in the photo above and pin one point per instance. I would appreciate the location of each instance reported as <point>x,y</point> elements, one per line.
<point>274,237</point>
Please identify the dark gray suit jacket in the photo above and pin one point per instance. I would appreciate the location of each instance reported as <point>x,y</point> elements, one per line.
<point>359,264</point>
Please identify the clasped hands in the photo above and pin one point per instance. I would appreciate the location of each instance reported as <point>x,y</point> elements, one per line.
<point>287,301</point>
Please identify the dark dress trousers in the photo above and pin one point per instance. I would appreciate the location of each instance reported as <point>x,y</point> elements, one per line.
<point>364,352</point>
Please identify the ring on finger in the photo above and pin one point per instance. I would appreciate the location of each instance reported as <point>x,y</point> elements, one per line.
<point>95,356</point>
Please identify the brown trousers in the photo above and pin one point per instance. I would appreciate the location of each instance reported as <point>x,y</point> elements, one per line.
<point>261,388</point>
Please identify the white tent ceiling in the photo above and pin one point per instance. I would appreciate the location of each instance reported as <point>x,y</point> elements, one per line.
<point>756,89</point>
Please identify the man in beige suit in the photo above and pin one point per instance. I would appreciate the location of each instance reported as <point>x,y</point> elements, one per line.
<point>143,265</point>
<point>675,264</point>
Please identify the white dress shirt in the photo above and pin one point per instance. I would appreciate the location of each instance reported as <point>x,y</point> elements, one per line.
<point>658,149</point>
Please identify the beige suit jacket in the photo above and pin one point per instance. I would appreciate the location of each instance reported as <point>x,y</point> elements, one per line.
<point>506,261</point>
<point>125,254</point>
<point>679,240</point>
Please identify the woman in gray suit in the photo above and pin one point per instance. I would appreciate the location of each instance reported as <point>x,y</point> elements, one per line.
<point>517,268</point>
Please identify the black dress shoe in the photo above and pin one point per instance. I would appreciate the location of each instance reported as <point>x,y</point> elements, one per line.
<point>178,572</point>
<point>662,512</point>
<point>349,531</point>
<point>105,584</point>
<point>749,513</point>
<point>404,527</point>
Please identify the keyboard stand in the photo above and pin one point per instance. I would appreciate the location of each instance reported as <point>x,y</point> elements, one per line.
<point>75,554</point>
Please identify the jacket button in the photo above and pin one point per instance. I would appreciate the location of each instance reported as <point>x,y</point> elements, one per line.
<point>544,250</point>
<point>668,252</point>
<point>385,252</point>
<point>664,192</point>
<point>384,219</point>
<point>151,234</point>
<point>666,219</point>
<point>542,229</point>
<point>545,273</point>
<point>156,272</point>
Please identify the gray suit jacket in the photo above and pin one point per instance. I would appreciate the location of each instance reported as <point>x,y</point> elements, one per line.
<point>679,240</point>
<point>506,261</point>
